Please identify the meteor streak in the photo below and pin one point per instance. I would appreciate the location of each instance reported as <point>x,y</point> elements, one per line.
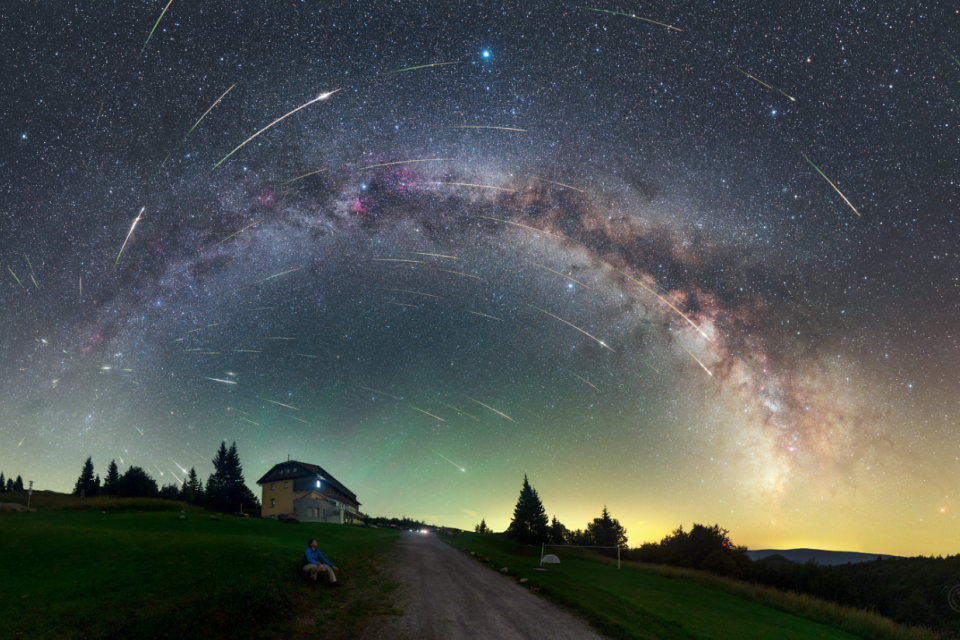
<point>132,227</point>
<point>14,276</point>
<point>35,282</point>
<point>422,66</point>
<point>483,186</point>
<point>429,295</point>
<point>582,378</point>
<point>251,422</point>
<point>768,86</point>
<point>459,273</point>
<point>563,276</point>
<point>479,127</point>
<point>459,410</point>
<point>322,96</point>
<point>21,441</point>
<point>450,461</point>
<point>241,230</point>
<point>630,15</point>
<point>697,359</point>
<point>559,184</point>
<point>483,314</point>
<point>155,27</point>
<point>299,420</point>
<point>433,255</point>
<point>303,176</point>
<point>138,429</point>
<point>426,412</point>
<point>600,342</point>
<point>492,409</point>
<point>390,164</point>
<point>395,260</point>
<point>206,112</point>
<point>219,380</point>
<point>28,262</point>
<point>664,301</point>
<point>179,467</point>
<point>280,403</point>
<point>831,184</point>
<point>381,393</point>
<point>517,224</point>
<point>276,275</point>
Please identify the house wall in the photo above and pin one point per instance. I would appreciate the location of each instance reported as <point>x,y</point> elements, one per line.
<point>317,510</point>
<point>282,497</point>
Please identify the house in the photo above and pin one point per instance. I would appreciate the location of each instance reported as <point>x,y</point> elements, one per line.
<point>308,493</point>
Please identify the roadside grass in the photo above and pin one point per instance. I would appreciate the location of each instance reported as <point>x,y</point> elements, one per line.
<point>83,574</point>
<point>648,601</point>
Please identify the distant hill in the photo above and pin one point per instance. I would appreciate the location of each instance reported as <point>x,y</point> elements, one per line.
<point>827,558</point>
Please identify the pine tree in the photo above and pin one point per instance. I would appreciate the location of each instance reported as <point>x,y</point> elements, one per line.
<point>111,481</point>
<point>607,531</point>
<point>3,483</point>
<point>558,532</point>
<point>215,497</point>
<point>9,484</point>
<point>239,494</point>
<point>85,481</point>
<point>192,488</point>
<point>482,527</point>
<point>530,524</point>
<point>17,485</point>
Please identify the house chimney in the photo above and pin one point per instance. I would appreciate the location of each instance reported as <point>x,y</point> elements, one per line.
<point>288,457</point>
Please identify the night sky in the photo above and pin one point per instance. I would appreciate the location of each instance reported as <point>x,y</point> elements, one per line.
<point>698,267</point>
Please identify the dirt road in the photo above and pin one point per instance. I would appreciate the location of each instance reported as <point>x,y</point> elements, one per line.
<point>448,595</point>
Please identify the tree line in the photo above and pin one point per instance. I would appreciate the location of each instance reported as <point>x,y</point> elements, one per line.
<point>225,490</point>
<point>9,484</point>
<point>530,525</point>
<point>911,591</point>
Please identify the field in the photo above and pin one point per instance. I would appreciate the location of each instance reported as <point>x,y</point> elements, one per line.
<point>85,574</point>
<point>640,601</point>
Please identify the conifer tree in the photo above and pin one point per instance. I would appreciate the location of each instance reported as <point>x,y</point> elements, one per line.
<point>192,488</point>
<point>137,483</point>
<point>215,496</point>
<point>530,524</point>
<point>239,494</point>
<point>607,531</point>
<point>9,484</point>
<point>3,483</point>
<point>18,484</point>
<point>112,480</point>
<point>481,528</point>
<point>85,482</point>
<point>558,532</point>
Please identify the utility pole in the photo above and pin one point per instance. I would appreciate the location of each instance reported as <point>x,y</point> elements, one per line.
<point>29,494</point>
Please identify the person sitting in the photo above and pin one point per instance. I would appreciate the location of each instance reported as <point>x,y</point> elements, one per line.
<point>314,562</point>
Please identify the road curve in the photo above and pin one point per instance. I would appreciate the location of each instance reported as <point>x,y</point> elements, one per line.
<point>448,595</point>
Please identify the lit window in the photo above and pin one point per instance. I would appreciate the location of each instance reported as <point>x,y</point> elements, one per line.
<point>318,484</point>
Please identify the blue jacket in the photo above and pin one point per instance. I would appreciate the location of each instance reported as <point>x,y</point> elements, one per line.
<point>315,557</point>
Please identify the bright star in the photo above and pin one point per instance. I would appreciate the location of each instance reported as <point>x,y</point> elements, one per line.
<point>486,54</point>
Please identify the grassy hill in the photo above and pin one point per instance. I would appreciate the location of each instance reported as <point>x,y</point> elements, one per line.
<point>642,601</point>
<point>123,574</point>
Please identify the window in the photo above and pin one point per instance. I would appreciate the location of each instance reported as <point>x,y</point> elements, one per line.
<point>273,503</point>
<point>273,485</point>
<point>286,484</point>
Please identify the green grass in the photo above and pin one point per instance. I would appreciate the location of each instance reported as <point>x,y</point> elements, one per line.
<point>84,574</point>
<point>638,601</point>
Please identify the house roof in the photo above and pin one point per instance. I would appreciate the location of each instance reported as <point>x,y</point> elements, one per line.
<point>296,469</point>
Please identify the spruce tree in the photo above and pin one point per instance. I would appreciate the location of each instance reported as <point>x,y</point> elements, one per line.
<point>18,484</point>
<point>3,483</point>
<point>137,483</point>
<point>111,480</point>
<point>9,484</point>
<point>530,524</point>
<point>216,496</point>
<point>239,493</point>
<point>607,531</point>
<point>192,488</point>
<point>481,528</point>
<point>85,481</point>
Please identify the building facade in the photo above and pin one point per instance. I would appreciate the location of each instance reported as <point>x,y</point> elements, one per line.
<point>308,493</point>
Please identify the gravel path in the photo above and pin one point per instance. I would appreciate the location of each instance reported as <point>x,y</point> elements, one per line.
<point>448,595</point>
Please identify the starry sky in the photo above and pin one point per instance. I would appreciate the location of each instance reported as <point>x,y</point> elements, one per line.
<point>694,262</point>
